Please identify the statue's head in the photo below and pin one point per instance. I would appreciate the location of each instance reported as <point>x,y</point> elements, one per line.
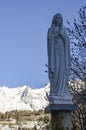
<point>57,20</point>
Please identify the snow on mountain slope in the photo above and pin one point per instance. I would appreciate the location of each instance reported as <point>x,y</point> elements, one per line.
<point>23,98</point>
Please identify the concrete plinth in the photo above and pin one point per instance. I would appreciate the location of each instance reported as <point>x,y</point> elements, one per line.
<point>60,107</point>
<point>61,120</point>
<point>61,116</point>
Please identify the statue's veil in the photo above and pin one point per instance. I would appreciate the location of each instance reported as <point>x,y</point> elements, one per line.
<point>55,17</point>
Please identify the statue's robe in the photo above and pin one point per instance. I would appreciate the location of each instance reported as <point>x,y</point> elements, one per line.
<point>58,62</point>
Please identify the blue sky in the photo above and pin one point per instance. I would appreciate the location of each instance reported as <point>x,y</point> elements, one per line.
<point>23,38</point>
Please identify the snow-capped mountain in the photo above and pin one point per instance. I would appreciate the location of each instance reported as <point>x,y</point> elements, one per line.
<point>23,98</point>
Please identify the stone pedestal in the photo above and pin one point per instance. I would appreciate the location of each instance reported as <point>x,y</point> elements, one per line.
<point>61,116</point>
<point>61,120</point>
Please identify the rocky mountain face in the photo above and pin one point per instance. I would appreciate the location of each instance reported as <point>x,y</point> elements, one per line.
<point>22,108</point>
<point>23,98</point>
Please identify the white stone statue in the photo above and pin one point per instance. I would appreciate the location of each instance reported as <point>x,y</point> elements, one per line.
<point>58,60</point>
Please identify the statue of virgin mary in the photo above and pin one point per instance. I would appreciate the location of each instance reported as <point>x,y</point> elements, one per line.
<point>58,46</point>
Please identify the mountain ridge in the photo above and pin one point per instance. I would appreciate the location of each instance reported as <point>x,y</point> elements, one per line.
<point>23,98</point>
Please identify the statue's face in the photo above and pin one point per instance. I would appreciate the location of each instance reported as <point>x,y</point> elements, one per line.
<point>58,19</point>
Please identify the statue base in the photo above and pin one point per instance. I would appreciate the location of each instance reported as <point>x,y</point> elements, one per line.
<point>60,107</point>
<point>62,102</point>
<point>61,99</point>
